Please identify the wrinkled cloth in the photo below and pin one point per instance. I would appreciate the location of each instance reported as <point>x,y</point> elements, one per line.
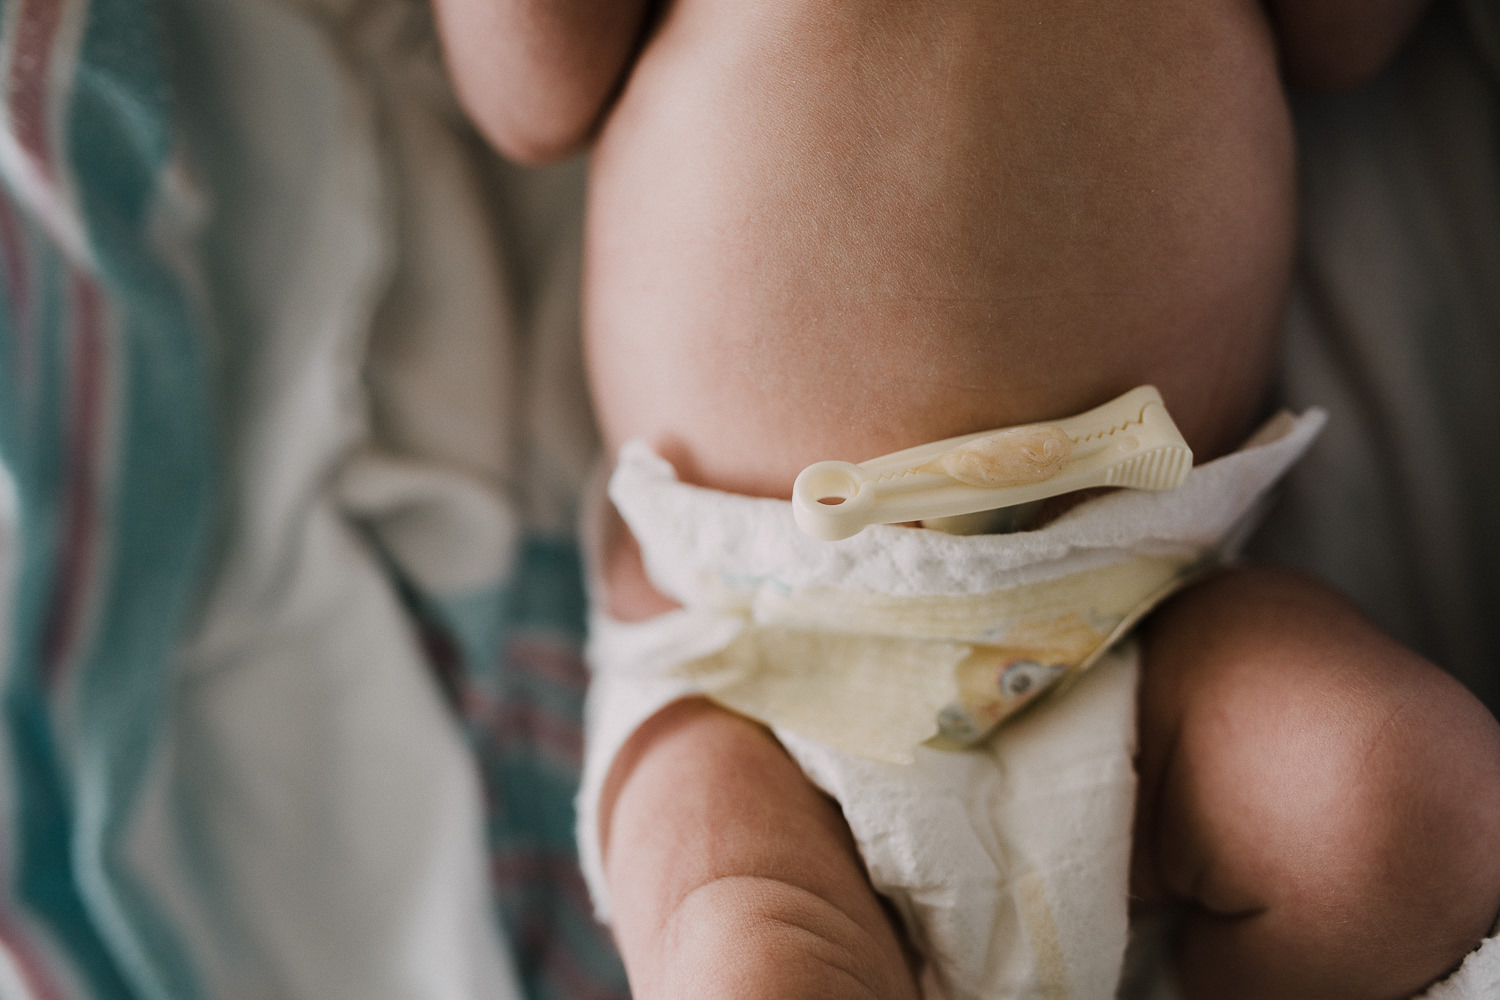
<point>291,424</point>
<point>163,221</point>
<point>1008,862</point>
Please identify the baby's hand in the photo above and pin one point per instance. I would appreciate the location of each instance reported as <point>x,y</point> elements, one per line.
<point>536,75</point>
<point>732,876</point>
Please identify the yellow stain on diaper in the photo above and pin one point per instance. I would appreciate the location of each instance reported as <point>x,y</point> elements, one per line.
<point>877,696</point>
<point>1041,932</point>
<point>878,675</point>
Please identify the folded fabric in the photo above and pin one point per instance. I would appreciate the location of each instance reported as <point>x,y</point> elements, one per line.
<point>1007,862</point>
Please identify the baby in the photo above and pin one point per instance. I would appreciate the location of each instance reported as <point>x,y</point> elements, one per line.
<point>824,229</point>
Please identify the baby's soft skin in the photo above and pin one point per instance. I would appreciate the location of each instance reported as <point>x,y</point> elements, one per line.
<point>839,229</point>
<point>836,228</point>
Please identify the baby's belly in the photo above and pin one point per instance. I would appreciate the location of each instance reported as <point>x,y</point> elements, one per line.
<point>832,230</point>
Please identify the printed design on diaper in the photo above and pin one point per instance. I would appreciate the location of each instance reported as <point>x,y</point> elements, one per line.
<point>877,675</point>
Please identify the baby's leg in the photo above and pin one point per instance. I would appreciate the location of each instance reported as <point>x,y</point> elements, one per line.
<point>731,874</point>
<point>734,876</point>
<point>1326,801</point>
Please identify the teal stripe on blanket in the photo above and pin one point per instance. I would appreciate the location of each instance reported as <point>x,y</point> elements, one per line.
<point>119,137</point>
<point>75,803</point>
<point>522,703</point>
<point>549,593</point>
<point>544,596</point>
<point>476,621</point>
<point>32,445</point>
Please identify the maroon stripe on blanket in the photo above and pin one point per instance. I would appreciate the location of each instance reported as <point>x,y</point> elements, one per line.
<point>81,488</point>
<point>560,969</point>
<point>16,268</point>
<point>36,980</point>
<point>511,724</point>
<point>552,661</point>
<point>543,953</point>
<point>557,870</point>
<point>36,27</point>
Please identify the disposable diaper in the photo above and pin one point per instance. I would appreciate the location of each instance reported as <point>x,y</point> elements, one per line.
<point>1008,862</point>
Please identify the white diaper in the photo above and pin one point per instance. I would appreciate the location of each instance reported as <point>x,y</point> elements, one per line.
<point>1008,863</point>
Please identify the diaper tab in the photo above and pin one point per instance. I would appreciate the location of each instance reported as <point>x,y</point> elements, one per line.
<point>1129,442</point>
<point>997,682</point>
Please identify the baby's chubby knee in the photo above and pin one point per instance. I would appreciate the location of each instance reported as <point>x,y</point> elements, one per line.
<point>1322,772</point>
<point>1378,814</point>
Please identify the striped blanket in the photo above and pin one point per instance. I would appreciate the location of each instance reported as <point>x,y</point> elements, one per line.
<point>290,613</point>
<point>291,437</point>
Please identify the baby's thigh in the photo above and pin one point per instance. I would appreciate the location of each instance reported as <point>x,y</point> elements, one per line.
<point>1299,765</point>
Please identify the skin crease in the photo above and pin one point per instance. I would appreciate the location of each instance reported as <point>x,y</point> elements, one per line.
<point>833,230</point>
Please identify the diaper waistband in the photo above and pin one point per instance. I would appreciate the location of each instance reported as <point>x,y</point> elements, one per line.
<point>879,642</point>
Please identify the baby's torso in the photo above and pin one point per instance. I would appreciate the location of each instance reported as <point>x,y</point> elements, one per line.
<point>832,230</point>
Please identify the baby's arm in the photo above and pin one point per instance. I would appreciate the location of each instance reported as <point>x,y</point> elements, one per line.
<point>733,876</point>
<point>537,75</point>
<point>730,874</point>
